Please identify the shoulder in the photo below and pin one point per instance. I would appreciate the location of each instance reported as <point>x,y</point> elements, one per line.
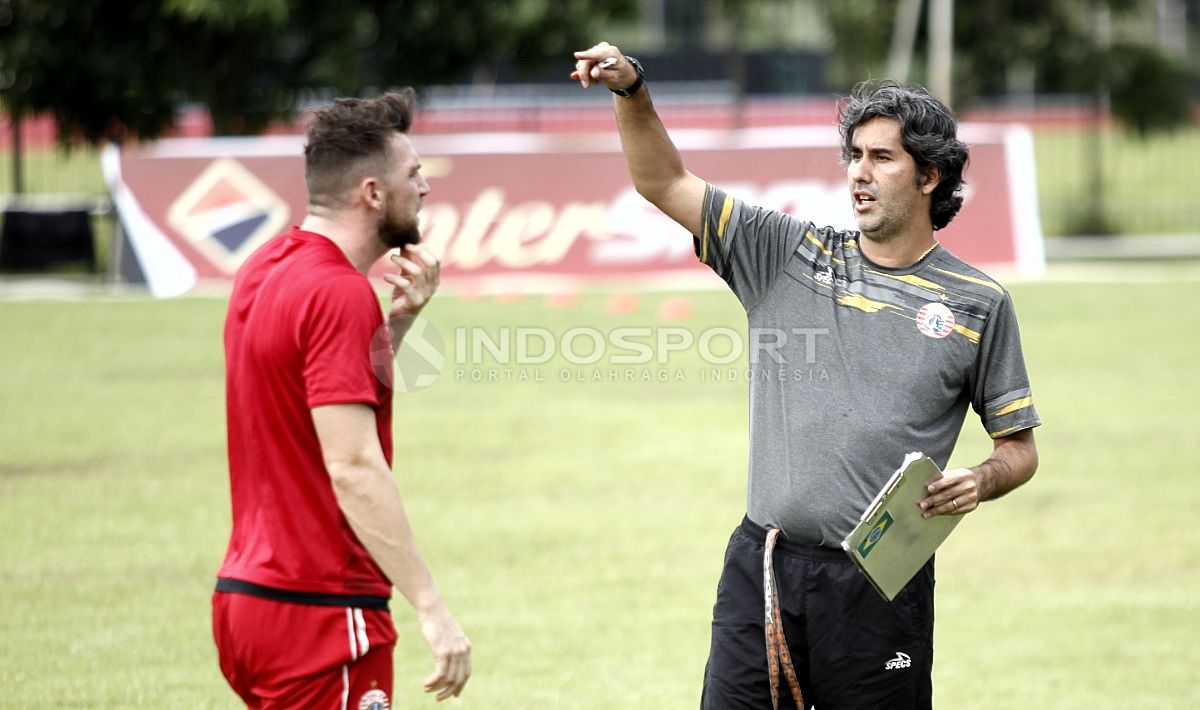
<point>956,275</point>
<point>827,245</point>
<point>341,288</point>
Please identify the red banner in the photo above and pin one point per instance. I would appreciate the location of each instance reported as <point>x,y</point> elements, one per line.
<point>535,212</point>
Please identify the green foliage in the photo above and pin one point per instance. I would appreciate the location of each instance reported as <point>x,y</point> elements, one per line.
<point>229,12</point>
<point>104,68</point>
<point>116,69</point>
<point>1056,40</point>
<point>1150,91</point>
<point>861,36</point>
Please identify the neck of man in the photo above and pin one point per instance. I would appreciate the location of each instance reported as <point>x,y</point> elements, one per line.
<point>899,250</point>
<point>353,234</point>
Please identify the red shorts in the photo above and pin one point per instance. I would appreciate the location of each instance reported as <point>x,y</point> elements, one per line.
<point>283,655</point>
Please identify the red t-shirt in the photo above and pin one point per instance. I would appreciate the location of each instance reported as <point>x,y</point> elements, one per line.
<point>298,334</point>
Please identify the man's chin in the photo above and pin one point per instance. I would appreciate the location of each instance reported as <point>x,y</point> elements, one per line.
<point>873,232</point>
<point>866,227</point>
<point>400,238</point>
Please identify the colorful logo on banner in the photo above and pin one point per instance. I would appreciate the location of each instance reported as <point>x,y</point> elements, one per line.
<point>227,212</point>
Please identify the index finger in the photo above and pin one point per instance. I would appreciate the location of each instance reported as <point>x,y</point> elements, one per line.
<point>438,679</point>
<point>462,674</point>
<point>456,678</point>
<point>406,265</point>
<point>423,253</point>
<point>597,51</point>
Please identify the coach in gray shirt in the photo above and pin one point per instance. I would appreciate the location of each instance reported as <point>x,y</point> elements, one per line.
<point>866,345</point>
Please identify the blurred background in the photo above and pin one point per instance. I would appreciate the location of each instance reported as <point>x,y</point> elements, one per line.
<point>1111,88</point>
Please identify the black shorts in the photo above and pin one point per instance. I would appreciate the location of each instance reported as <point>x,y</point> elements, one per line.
<point>851,647</point>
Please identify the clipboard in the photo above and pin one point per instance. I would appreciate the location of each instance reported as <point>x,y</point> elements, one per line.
<point>893,540</point>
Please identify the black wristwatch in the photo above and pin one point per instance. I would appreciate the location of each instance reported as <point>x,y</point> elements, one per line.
<point>637,83</point>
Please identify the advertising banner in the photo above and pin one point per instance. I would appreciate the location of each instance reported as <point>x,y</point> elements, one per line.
<point>533,212</point>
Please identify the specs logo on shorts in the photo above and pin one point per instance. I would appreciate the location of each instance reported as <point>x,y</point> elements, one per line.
<point>374,699</point>
<point>868,543</point>
<point>935,320</point>
<point>900,661</point>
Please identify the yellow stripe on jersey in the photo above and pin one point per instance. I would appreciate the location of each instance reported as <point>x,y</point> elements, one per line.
<point>970,279</point>
<point>863,303</point>
<point>704,240</point>
<point>809,236</point>
<point>912,279</point>
<point>967,333</point>
<point>726,210</point>
<point>1013,406</point>
<point>1009,430</point>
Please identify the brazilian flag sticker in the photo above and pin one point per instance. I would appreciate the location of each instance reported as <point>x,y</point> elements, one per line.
<point>868,543</point>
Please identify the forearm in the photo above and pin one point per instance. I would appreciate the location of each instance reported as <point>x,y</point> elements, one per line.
<point>398,327</point>
<point>370,500</point>
<point>654,161</point>
<point>1012,463</point>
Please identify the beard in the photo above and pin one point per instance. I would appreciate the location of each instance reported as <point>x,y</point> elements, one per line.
<point>879,228</point>
<point>396,234</point>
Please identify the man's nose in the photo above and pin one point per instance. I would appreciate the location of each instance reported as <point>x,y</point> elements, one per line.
<point>859,171</point>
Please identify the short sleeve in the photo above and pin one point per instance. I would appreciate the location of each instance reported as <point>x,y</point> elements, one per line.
<point>746,245</point>
<point>341,319</point>
<point>1002,396</point>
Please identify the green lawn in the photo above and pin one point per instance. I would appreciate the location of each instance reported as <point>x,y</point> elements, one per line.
<point>577,528</point>
<point>52,170</point>
<point>1147,186</point>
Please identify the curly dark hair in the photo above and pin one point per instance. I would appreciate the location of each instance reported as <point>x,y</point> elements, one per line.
<point>350,136</point>
<point>928,130</point>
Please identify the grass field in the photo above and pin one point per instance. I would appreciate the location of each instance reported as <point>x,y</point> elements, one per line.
<point>1147,186</point>
<point>577,528</point>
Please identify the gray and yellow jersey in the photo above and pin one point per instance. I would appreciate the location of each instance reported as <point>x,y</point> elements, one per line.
<point>854,365</point>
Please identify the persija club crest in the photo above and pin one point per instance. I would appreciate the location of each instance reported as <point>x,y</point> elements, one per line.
<point>935,320</point>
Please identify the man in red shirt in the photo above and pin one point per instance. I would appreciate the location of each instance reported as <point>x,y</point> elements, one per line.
<point>320,535</point>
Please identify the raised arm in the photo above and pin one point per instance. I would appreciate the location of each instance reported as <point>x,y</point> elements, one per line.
<point>370,500</point>
<point>654,163</point>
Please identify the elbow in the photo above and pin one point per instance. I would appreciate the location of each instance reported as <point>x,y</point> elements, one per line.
<point>1024,461</point>
<point>1031,462</point>
<point>348,476</point>
<point>658,188</point>
<point>653,193</point>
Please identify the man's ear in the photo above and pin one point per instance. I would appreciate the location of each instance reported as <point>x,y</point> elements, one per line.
<point>369,192</point>
<point>930,179</point>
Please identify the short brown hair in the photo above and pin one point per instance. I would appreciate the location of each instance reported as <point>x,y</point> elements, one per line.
<point>350,136</point>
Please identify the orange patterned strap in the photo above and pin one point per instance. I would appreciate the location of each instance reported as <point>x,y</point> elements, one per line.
<point>777,649</point>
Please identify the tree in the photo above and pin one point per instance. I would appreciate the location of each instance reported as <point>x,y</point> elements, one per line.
<point>99,66</point>
<point>1055,42</point>
<point>115,69</point>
